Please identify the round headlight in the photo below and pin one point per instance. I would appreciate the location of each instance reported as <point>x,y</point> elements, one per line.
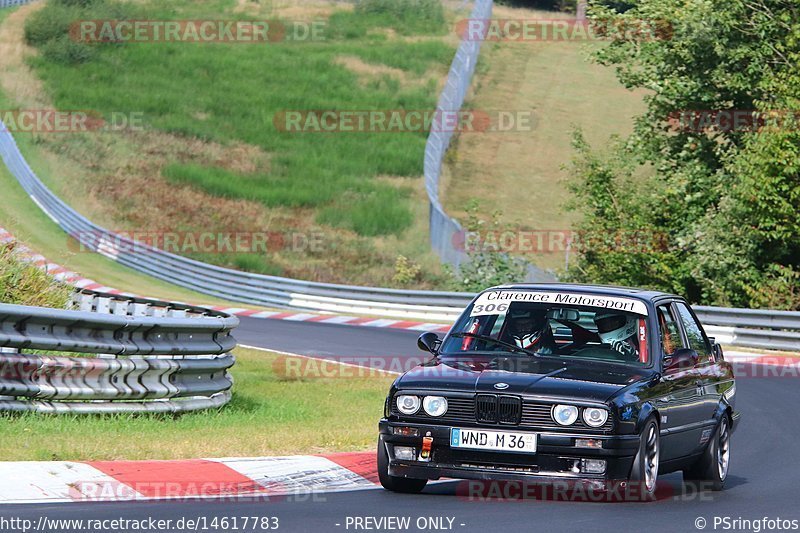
<point>595,417</point>
<point>565,415</point>
<point>408,405</point>
<point>435,405</point>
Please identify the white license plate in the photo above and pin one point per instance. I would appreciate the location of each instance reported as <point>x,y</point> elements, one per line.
<point>479,439</point>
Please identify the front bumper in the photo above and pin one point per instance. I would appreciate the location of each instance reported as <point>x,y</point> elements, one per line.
<point>554,460</point>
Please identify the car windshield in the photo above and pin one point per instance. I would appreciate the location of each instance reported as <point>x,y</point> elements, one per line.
<point>552,324</point>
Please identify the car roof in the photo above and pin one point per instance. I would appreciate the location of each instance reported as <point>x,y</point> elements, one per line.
<point>609,290</point>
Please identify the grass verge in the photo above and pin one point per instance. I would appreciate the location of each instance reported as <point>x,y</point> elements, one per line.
<point>209,138</point>
<point>521,172</point>
<point>273,412</point>
<point>24,219</point>
<point>23,284</point>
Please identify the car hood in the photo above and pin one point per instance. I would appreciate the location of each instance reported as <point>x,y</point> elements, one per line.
<point>548,377</point>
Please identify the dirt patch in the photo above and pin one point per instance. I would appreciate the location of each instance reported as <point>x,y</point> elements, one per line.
<point>307,9</point>
<point>117,178</point>
<point>368,71</point>
<point>522,13</point>
<point>17,79</point>
<point>252,7</point>
<point>237,157</point>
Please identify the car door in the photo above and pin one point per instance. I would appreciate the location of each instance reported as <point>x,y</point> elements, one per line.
<point>706,372</point>
<point>677,393</point>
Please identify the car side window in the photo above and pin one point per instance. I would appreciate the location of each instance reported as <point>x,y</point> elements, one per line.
<point>670,335</point>
<point>697,339</point>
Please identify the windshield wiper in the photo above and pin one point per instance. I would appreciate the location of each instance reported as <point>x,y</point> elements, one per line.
<point>511,347</point>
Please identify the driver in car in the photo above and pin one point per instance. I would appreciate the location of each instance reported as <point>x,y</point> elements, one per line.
<point>531,331</point>
<point>619,331</point>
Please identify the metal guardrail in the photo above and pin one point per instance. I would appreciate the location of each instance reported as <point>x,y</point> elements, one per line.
<point>13,3</point>
<point>752,328</point>
<point>738,327</point>
<point>154,356</point>
<point>444,230</point>
<point>262,290</point>
<point>446,234</point>
<point>258,289</point>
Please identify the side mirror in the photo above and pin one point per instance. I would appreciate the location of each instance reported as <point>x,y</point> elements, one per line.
<point>716,349</point>
<point>681,359</point>
<point>429,342</point>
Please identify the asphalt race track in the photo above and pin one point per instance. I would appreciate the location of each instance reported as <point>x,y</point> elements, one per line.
<point>762,483</point>
<point>326,340</point>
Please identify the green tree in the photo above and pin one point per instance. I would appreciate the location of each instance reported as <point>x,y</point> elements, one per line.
<point>723,197</point>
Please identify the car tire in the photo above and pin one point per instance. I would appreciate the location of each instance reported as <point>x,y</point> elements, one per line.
<point>394,483</point>
<point>644,473</point>
<point>711,470</point>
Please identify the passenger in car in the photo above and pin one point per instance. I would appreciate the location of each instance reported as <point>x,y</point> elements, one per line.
<point>619,331</point>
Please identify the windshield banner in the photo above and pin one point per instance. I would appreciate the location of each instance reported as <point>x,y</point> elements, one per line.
<point>497,302</point>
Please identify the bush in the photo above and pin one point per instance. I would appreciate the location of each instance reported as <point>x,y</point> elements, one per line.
<point>49,28</point>
<point>406,16</point>
<point>406,271</point>
<point>67,52</point>
<point>269,190</point>
<point>381,211</point>
<point>402,8</point>
<point>24,284</point>
<point>49,24</point>
<point>486,267</point>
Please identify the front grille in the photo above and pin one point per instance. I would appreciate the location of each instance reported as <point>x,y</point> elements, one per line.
<point>510,409</point>
<point>488,410</point>
<point>493,409</point>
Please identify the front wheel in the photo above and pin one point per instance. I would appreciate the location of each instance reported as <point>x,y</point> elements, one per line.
<point>644,473</point>
<point>394,483</point>
<point>711,469</point>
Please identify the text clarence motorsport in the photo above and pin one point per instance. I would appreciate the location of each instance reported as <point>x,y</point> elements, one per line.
<point>560,298</point>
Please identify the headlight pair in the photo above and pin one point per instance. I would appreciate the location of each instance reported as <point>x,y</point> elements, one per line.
<point>566,415</point>
<point>433,405</point>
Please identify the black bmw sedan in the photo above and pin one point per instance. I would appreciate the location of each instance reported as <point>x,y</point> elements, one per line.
<point>576,383</point>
